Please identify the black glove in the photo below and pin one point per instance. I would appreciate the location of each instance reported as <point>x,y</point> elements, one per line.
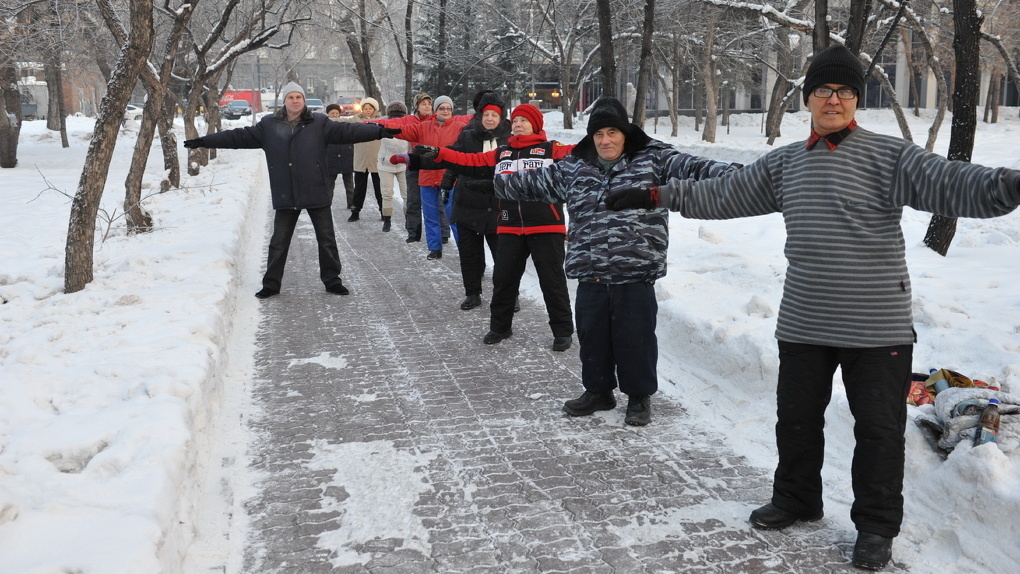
<point>387,133</point>
<point>195,143</point>
<point>426,151</point>
<point>444,194</point>
<point>634,199</point>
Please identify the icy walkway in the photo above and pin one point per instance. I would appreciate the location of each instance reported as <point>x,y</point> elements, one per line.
<point>391,440</point>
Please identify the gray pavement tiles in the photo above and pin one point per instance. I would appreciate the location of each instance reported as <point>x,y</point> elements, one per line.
<point>389,439</point>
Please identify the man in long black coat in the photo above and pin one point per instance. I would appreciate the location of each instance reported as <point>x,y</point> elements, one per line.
<point>294,141</point>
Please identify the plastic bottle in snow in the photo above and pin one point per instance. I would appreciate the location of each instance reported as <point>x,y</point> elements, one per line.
<point>988,426</point>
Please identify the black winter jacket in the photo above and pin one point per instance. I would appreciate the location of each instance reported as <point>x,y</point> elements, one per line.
<point>296,155</point>
<point>474,204</point>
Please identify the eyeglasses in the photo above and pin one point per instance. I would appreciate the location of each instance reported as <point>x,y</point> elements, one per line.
<point>841,93</point>
<point>444,109</point>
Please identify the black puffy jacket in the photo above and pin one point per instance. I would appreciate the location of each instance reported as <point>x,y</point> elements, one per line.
<point>474,205</point>
<point>296,155</point>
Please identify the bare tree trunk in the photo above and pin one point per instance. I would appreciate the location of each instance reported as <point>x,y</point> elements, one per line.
<point>441,43</point>
<point>645,64</point>
<point>603,10</point>
<point>708,70</point>
<point>857,24</point>
<point>820,34</point>
<point>139,220</point>
<point>568,116</point>
<point>55,116</point>
<point>409,50</point>
<point>779,100</point>
<point>10,103</point>
<point>991,114</point>
<point>81,229</point>
<point>966,90</point>
<point>168,140</point>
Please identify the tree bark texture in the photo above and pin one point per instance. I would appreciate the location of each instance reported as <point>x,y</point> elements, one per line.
<point>708,69</point>
<point>81,228</point>
<point>644,64</point>
<point>10,102</point>
<point>966,90</point>
<point>603,10</point>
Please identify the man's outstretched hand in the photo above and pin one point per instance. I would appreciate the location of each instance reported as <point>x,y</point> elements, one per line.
<point>195,143</point>
<point>634,199</point>
<point>387,133</point>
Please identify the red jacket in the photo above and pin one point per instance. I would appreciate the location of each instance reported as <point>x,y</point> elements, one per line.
<point>428,132</point>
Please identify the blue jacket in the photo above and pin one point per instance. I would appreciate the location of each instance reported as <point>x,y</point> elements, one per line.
<point>296,155</point>
<point>607,246</point>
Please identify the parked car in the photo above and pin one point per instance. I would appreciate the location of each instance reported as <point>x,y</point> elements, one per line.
<point>349,105</point>
<point>315,105</point>
<point>235,109</point>
<point>133,112</point>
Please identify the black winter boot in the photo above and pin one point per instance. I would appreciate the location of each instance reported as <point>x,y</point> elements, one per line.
<point>588,403</point>
<point>639,411</point>
<point>354,216</point>
<point>386,223</point>
<point>872,551</point>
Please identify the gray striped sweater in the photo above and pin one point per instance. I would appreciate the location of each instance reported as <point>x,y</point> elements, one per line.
<point>847,283</point>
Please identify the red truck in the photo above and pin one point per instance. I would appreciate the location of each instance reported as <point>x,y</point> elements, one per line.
<point>253,97</point>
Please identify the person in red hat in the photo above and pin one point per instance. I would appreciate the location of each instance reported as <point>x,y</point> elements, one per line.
<point>526,229</point>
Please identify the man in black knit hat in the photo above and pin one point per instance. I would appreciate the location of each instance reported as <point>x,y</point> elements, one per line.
<point>846,297</point>
<point>616,256</point>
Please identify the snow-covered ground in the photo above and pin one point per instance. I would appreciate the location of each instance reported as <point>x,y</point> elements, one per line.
<point>115,400</point>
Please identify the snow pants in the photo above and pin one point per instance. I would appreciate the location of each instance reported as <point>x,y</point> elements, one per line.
<point>616,332</point>
<point>877,381</point>
<point>546,251</point>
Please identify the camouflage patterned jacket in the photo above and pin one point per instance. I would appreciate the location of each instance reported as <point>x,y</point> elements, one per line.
<point>606,246</point>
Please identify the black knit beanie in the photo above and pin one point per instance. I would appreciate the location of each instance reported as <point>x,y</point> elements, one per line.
<point>608,112</point>
<point>834,65</point>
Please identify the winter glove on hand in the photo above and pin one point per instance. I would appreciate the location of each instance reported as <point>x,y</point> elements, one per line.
<point>634,199</point>
<point>399,159</point>
<point>387,133</point>
<point>426,151</point>
<point>195,143</point>
<point>444,194</point>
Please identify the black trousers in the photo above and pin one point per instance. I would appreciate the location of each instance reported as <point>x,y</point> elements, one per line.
<point>361,189</point>
<point>546,251</point>
<point>471,246</point>
<point>877,381</point>
<point>279,244</point>
<point>616,332</point>
<point>348,179</point>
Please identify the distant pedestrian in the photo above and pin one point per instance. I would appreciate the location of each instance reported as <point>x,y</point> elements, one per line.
<point>846,297</point>
<point>341,160</point>
<point>295,141</point>
<point>421,110</point>
<point>388,172</point>
<point>616,256</point>
<point>366,164</point>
